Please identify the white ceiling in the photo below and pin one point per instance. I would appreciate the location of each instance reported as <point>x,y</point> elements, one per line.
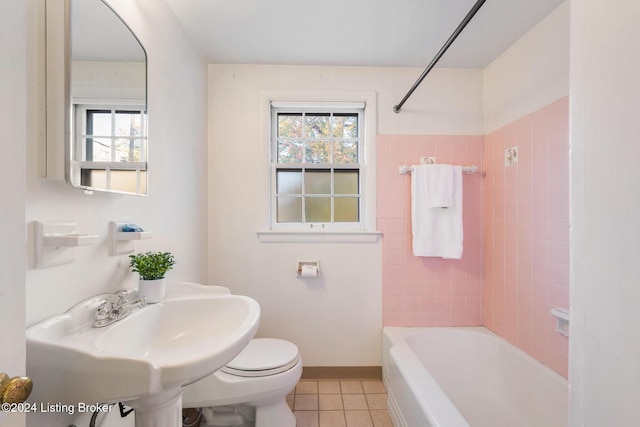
<point>384,33</point>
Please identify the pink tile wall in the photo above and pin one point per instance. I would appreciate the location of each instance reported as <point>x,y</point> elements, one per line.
<point>525,211</point>
<point>421,291</point>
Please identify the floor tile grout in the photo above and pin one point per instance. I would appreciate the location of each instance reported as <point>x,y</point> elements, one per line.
<point>364,405</point>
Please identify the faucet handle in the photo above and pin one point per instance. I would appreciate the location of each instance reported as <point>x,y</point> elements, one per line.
<point>103,312</point>
<point>114,307</point>
<point>122,298</point>
<point>122,294</point>
<point>110,303</point>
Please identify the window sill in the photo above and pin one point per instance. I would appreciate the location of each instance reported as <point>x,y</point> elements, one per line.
<point>275,236</point>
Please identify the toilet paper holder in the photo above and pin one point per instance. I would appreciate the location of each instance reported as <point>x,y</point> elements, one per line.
<point>308,268</point>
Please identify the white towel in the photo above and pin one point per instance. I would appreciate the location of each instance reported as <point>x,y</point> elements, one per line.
<point>439,185</point>
<point>437,232</point>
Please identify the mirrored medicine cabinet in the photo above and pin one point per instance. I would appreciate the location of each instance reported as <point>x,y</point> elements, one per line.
<point>95,118</point>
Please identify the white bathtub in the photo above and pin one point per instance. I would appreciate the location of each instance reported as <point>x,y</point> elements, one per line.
<point>461,377</point>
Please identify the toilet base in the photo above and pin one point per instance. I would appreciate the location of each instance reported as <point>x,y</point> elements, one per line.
<point>240,416</point>
<point>277,414</point>
<point>246,401</point>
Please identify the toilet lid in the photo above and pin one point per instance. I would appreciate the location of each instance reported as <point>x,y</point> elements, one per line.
<point>262,357</point>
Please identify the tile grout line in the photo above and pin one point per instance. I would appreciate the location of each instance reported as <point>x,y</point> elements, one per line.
<point>349,417</point>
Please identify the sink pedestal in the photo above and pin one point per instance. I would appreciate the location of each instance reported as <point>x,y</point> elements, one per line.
<point>158,410</point>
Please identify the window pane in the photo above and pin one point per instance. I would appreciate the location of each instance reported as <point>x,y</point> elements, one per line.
<point>143,181</point>
<point>345,152</point>
<point>345,126</point>
<point>289,209</point>
<point>100,149</point>
<point>128,123</point>
<point>123,149</point>
<point>346,209</point>
<point>139,153</point>
<point>129,150</point>
<point>99,123</point>
<point>318,152</point>
<point>345,182</point>
<point>125,180</point>
<point>98,179</point>
<point>121,180</point>
<point>290,151</point>
<point>317,182</point>
<point>318,209</point>
<point>289,182</point>
<point>317,125</point>
<point>290,125</point>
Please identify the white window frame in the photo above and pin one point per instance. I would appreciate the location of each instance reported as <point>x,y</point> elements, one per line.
<point>80,107</point>
<point>362,231</point>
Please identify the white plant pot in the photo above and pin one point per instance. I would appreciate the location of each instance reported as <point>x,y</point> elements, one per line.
<point>152,290</point>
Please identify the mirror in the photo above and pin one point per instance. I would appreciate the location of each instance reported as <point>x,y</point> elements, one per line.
<point>108,102</point>
<point>96,99</point>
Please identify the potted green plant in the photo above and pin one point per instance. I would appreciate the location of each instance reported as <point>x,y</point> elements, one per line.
<point>152,267</point>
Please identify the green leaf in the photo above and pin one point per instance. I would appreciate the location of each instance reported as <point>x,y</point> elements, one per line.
<point>151,265</point>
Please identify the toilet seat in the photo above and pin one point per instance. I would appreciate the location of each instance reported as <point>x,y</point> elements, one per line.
<point>263,357</point>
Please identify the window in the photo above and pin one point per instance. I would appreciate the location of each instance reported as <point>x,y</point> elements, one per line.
<point>111,148</point>
<point>114,135</point>
<point>318,174</point>
<point>316,165</point>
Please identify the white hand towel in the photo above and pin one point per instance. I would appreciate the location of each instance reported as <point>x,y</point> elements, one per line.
<point>437,232</point>
<point>439,185</point>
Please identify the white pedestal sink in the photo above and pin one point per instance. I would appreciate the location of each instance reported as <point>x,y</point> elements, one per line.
<point>143,360</point>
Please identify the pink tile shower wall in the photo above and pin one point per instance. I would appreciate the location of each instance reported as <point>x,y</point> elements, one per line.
<point>526,232</point>
<point>421,291</point>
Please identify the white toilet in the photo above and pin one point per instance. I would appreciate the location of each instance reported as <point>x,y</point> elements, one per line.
<point>251,390</point>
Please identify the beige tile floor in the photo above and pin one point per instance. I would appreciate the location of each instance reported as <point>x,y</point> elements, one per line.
<point>340,403</point>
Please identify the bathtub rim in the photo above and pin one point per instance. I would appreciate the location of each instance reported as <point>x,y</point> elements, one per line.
<point>424,388</point>
<point>414,374</point>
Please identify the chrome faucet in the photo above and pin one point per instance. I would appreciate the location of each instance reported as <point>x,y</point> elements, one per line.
<point>116,307</point>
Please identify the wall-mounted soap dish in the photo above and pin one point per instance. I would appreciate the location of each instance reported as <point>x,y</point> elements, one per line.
<point>69,240</point>
<point>562,320</point>
<point>120,241</point>
<point>54,243</point>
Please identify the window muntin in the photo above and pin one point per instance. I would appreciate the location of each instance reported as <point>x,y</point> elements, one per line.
<point>113,135</point>
<point>316,167</point>
<point>111,147</point>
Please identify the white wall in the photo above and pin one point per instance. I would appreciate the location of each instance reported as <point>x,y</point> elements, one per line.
<point>605,101</point>
<point>108,80</point>
<point>13,83</point>
<point>335,320</point>
<point>532,73</point>
<point>174,210</point>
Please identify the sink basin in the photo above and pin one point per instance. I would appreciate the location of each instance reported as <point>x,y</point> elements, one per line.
<point>159,348</point>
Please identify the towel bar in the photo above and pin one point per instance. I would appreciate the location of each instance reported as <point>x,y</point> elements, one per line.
<point>404,169</point>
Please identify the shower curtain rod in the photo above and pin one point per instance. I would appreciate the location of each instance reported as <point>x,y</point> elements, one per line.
<point>456,33</point>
